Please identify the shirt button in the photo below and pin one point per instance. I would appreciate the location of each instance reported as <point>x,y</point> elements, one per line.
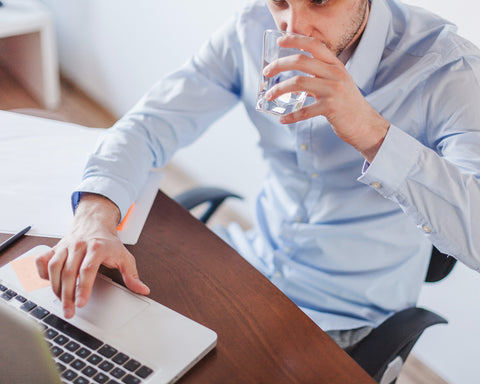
<point>304,147</point>
<point>426,229</point>
<point>278,274</point>
<point>314,175</point>
<point>287,249</point>
<point>298,219</point>
<point>376,185</point>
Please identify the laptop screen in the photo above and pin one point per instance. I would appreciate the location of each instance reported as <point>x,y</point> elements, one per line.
<point>24,353</point>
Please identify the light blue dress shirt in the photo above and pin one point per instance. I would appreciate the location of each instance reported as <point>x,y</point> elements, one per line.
<point>347,241</point>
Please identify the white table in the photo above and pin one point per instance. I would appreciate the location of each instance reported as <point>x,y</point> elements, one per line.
<point>28,49</point>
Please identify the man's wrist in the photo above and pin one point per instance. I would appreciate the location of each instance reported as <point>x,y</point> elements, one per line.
<point>99,208</point>
<point>370,154</point>
<point>374,139</point>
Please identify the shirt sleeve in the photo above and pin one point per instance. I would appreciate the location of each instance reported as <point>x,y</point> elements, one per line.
<point>437,182</point>
<point>175,112</point>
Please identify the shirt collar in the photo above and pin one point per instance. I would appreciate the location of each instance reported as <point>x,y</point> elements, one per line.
<point>364,62</point>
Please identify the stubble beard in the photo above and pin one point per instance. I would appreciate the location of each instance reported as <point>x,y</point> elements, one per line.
<point>354,30</point>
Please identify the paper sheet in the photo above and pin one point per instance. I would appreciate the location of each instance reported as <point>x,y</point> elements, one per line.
<point>41,163</point>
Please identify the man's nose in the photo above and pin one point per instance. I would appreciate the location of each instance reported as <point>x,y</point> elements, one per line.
<point>297,22</point>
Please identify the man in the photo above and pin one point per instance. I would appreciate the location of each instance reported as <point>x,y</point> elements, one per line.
<point>381,163</point>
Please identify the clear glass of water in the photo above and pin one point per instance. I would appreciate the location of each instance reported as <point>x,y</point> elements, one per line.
<point>288,102</point>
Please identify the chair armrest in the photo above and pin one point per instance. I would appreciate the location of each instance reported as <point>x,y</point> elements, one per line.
<point>396,336</point>
<point>197,196</point>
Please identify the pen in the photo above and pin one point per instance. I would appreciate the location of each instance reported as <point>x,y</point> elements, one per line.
<point>7,243</point>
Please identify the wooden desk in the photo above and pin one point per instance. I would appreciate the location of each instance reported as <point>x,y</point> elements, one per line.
<point>262,336</point>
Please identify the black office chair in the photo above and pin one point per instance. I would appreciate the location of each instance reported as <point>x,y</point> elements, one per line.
<point>382,353</point>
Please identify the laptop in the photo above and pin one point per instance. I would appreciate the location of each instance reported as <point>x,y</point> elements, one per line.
<point>118,337</point>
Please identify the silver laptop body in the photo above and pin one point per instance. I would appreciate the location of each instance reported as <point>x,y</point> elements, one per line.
<point>134,339</point>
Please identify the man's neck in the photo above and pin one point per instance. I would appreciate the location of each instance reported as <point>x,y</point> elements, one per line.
<point>347,52</point>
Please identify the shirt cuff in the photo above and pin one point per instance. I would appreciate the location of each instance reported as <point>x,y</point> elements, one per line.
<point>397,157</point>
<point>107,188</point>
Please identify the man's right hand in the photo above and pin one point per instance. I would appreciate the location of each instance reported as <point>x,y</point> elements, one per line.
<point>91,241</point>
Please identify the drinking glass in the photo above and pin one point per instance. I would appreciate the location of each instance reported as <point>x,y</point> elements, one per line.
<point>290,101</point>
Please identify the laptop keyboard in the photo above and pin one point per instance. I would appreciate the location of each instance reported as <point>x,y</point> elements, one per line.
<point>80,357</point>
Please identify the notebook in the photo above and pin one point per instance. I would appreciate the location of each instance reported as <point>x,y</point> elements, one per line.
<point>118,337</point>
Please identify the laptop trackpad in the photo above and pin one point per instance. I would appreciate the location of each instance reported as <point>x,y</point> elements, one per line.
<point>110,306</point>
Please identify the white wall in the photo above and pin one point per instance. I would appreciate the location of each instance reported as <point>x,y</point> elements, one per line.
<point>116,49</point>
